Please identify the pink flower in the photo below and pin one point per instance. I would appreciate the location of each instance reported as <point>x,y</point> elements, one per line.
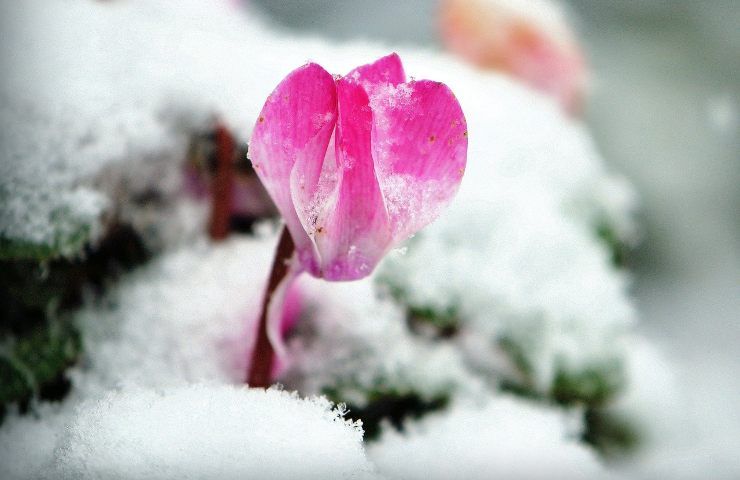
<point>357,164</point>
<point>529,40</point>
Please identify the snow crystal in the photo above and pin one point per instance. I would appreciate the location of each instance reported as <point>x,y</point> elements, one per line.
<point>208,431</point>
<point>497,438</point>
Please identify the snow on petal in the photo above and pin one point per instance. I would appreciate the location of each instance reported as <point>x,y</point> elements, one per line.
<point>290,139</point>
<point>419,142</point>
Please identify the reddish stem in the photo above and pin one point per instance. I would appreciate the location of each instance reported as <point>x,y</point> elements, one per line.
<point>262,356</point>
<point>223,184</point>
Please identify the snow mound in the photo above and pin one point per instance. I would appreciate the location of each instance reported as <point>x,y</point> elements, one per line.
<point>184,318</point>
<point>500,438</point>
<point>513,271</point>
<point>355,342</point>
<point>208,431</point>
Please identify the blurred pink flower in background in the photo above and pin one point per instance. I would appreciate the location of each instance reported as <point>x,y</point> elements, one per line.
<point>528,39</point>
<point>357,164</point>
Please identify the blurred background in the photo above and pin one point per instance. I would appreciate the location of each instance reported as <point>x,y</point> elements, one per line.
<point>664,112</point>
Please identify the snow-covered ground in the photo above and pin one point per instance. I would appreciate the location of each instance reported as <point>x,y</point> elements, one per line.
<point>106,94</point>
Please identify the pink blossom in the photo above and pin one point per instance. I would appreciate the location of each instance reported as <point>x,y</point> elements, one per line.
<point>529,40</point>
<point>357,164</point>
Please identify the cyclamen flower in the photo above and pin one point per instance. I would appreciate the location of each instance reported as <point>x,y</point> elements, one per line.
<point>527,39</point>
<point>357,164</point>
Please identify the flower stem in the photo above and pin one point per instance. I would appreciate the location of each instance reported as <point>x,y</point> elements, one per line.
<point>283,273</point>
<point>223,185</point>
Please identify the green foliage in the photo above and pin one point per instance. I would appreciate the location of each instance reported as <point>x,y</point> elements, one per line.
<point>33,364</point>
<point>38,340</point>
<point>384,403</point>
<point>619,248</point>
<point>434,324</point>
<point>612,434</point>
<point>594,385</point>
<point>423,320</point>
<point>63,244</point>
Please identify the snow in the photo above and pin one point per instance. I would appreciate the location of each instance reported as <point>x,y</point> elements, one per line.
<point>102,103</point>
<point>491,438</point>
<point>164,324</point>
<point>359,344</point>
<point>513,265</point>
<point>154,396</point>
<point>207,431</point>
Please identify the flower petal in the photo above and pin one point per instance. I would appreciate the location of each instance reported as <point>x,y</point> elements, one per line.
<point>419,142</point>
<point>289,142</point>
<point>385,70</point>
<point>354,235</point>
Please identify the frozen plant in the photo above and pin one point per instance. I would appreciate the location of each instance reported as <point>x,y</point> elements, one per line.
<point>355,165</point>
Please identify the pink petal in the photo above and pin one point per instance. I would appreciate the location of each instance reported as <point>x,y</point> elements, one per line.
<point>289,143</point>
<point>292,306</point>
<point>354,235</point>
<point>419,142</point>
<point>385,70</point>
